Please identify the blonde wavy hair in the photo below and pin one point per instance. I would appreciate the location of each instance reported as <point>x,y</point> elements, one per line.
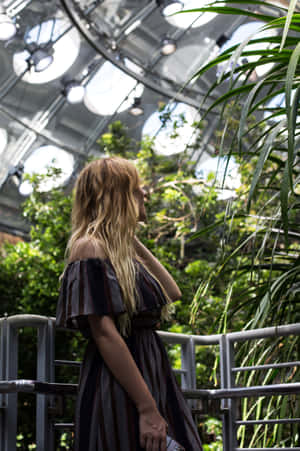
<point>106,211</point>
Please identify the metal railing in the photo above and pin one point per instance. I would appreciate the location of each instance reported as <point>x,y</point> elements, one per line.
<point>46,388</point>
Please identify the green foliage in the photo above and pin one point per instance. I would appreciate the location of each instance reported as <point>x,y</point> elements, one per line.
<point>213,428</point>
<point>33,267</point>
<point>259,255</point>
<point>260,227</point>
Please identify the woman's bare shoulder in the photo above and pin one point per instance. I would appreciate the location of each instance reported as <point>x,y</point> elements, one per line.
<point>85,248</point>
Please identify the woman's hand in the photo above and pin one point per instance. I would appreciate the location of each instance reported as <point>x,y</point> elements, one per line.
<point>153,430</point>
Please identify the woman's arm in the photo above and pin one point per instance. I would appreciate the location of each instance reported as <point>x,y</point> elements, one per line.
<point>154,265</point>
<point>118,358</point>
<point>111,345</point>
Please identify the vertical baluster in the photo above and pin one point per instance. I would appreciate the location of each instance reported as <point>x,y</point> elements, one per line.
<point>11,412</point>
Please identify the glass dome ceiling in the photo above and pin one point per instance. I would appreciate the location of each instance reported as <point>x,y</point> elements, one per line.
<point>117,54</point>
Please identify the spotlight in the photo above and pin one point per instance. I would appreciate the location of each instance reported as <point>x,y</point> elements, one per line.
<point>168,46</point>
<point>7,26</point>
<point>40,57</point>
<point>222,40</point>
<point>168,7</point>
<point>74,91</point>
<point>15,174</point>
<point>136,108</point>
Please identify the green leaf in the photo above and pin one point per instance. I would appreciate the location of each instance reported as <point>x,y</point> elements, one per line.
<point>250,2</point>
<point>291,110</point>
<point>246,107</point>
<point>237,54</point>
<point>262,159</point>
<point>211,227</point>
<point>292,7</point>
<point>284,193</point>
<point>228,10</point>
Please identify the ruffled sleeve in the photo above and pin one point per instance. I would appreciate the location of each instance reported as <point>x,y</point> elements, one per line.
<point>88,287</point>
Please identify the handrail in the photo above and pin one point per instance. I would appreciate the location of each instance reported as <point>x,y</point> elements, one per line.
<point>46,388</point>
<point>33,386</point>
<point>29,320</point>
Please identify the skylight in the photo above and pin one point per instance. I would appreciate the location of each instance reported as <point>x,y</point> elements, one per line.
<point>277,102</point>
<point>186,20</point>
<point>242,33</point>
<point>3,140</point>
<point>40,160</point>
<point>167,141</point>
<point>107,91</point>
<point>217,167</point>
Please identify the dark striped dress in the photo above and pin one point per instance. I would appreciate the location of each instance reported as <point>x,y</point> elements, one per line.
<point>106,419</point>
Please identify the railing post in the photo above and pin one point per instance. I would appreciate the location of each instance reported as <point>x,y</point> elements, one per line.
<point>228,406</point>
<point>10,416</point>
<point>231,402</point>
<point>188,359</point>
<point>51,328</point>
<point>44,430</point>
<point>3,396</point>
<point>224,402</point>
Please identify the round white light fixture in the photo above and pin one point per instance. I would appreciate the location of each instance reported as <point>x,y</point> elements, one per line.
<point>168,46</point>
<point>106,92</point>
<point>39,161</point>
<point>243,32</point>
<point>15,174</point>
<point>64,51</point>
<point>186,20</point>
<point>136,108</point>
<point>74,91</point>
<point>3,140</point>
<point>7,27</point>
<point>167,141</point>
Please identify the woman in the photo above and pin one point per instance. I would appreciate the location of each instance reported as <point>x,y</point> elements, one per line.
<point>115,291</point>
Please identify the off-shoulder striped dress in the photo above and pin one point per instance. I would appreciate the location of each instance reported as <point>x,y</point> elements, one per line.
<point>106,419</point>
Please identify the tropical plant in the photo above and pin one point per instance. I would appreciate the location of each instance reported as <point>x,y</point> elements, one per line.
<point>264,263</point>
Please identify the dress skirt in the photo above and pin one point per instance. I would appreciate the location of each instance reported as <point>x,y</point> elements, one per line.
<point>106,419</point>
